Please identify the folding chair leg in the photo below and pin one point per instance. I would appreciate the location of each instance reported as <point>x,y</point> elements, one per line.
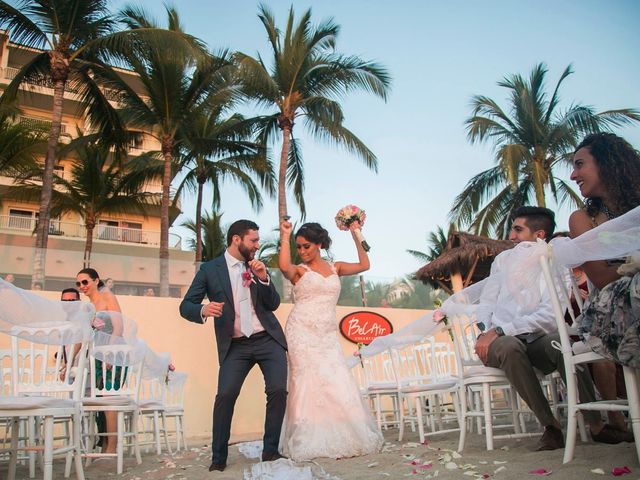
<point>48,448</point>
<point>488,421</point>
<point>156,432</point>
<point>401,418</point>
<point>77,443</point>
<point>420,420</point>
<point>462,396</point>
<point>165,433</point>
<point>515,407</point>
<point>120,444</point>
<point>32,434</point>
<point>631,381</point>
<point>13,461</point>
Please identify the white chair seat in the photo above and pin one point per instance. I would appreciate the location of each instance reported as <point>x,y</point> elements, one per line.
<point>429,387</point>
<point>31,403</point>
<point>151,405</point>
<point>382,387</point>
<point>113,401</point>
<point>482,371</point>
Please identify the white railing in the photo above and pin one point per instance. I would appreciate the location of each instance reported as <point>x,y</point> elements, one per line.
<point>105,233</point>
<point>10,73</point>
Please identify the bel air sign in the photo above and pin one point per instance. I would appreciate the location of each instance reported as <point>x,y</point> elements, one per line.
<point>363,327</point>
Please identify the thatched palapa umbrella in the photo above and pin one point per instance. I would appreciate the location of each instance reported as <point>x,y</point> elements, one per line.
<point>466,259</point>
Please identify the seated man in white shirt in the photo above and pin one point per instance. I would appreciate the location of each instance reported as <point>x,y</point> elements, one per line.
<point>516,343</point>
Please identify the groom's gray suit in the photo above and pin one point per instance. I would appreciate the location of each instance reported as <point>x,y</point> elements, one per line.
<point>238,355</point>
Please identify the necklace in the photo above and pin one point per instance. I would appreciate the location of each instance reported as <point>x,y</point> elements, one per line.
<point>607,212</point>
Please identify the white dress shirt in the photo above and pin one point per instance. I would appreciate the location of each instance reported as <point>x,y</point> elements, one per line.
<point>236,267</point>
<point>508,313</point>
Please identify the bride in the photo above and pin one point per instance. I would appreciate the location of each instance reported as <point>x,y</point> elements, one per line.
<point>325,414</point>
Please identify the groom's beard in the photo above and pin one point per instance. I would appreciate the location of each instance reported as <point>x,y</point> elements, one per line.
<point>246,253</point>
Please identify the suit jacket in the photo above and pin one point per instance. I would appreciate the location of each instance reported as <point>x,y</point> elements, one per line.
<point>213,281</point>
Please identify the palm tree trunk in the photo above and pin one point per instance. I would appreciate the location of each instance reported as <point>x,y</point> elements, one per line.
<point>88,246</point>
<point>456,282</point>
<point>199,226</point>
<point>167,153</point>
<point>538,183</point>
<point>42,228</point>
<point>282,172</point>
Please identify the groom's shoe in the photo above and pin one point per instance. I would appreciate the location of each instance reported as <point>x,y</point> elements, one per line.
<point>270,457</point>
<point>217,467</point>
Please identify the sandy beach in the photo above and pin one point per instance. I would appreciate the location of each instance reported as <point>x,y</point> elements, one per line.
<point>513,458</point>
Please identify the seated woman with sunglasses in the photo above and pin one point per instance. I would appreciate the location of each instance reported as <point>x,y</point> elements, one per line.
<point>89,283</point>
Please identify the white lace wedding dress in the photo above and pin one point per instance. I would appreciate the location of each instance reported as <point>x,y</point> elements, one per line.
<point>325,415</point>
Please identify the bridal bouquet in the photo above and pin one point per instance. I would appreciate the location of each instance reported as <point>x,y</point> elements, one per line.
<point>346,216</point>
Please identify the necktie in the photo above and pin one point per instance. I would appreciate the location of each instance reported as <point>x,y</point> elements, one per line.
<point>244,303</point>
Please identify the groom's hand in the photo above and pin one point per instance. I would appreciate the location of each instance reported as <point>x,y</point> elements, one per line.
<point>259,269</point>
<point>213,309</point>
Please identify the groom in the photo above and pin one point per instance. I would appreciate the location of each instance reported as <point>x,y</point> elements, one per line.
<point>242,299</point>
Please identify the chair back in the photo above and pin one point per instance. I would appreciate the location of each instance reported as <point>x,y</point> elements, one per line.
<point>117,370</point>
<point>41,369</point>
<point>174,391</point>
<point>560,296</point>
<point>378,371</point>
<point>6,385</point>
<point>465,334</point>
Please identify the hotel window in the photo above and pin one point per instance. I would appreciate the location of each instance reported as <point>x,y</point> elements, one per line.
<point>22,219</point>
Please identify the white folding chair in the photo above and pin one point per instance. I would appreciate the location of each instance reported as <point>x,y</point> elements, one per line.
<point>152,414</point>
<point>121,372</point>
<point>576,356</point>
<point>420,383</point>
<point>174,406</point>
<point>381,386</point>
<point>477,384</point>
<point>41,394</point>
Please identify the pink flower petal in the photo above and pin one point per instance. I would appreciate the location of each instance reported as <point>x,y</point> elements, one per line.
<point>540,471</point>
<point>617,471</point>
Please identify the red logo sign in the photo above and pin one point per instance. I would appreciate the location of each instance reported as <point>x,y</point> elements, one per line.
<point>363,327</point>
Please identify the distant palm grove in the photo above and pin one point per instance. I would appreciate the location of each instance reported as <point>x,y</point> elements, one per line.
<point>186,99</point>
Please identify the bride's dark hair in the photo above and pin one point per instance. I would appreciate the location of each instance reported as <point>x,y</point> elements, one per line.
<point>314,233</point>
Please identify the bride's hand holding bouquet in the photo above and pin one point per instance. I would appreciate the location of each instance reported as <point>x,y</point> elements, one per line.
<point>352,218</point>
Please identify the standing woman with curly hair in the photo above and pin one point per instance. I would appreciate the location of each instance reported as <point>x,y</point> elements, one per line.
<point>325,415</point>
<point>607,170</point>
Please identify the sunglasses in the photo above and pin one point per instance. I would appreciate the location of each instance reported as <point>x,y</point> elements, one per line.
<point>70,300</point>
<point>84,283</point>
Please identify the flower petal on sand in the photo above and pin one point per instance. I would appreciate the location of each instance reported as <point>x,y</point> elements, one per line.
<point>617,471</point>
<point>540,471</point>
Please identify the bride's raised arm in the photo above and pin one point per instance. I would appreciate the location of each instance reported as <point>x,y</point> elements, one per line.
<point>345,268</point>
<point>289,270</point>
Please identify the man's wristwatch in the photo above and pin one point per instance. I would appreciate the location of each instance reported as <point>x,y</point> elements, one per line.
<point>499,331</point>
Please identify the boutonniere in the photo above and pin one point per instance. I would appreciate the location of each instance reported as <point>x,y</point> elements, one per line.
<point>247,278</point>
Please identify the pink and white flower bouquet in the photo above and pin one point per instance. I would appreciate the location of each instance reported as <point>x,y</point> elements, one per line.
<point>346,219</point>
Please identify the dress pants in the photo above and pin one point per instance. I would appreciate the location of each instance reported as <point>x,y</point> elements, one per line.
<point>517,359</point>
<point>243,354</point>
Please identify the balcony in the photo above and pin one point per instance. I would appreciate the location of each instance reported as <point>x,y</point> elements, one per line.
<point>22,225</point>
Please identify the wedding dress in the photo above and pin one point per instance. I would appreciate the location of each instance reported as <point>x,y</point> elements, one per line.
<point>325,416</point>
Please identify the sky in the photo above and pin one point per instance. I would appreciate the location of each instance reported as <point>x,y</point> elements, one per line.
<point>439,54</point>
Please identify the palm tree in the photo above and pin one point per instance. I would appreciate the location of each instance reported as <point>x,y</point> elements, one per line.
<point>99,185</point>
<point>211,233</point>
<point>217,149</point>
<point>176,80</point>
<point>531,140</point>
<point>20,146</point>
<point>68,34</point>
<point>437,243</point>
<point>305,80</point>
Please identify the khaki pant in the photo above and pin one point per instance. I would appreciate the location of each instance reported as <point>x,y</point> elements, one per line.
<point>517,359</point>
